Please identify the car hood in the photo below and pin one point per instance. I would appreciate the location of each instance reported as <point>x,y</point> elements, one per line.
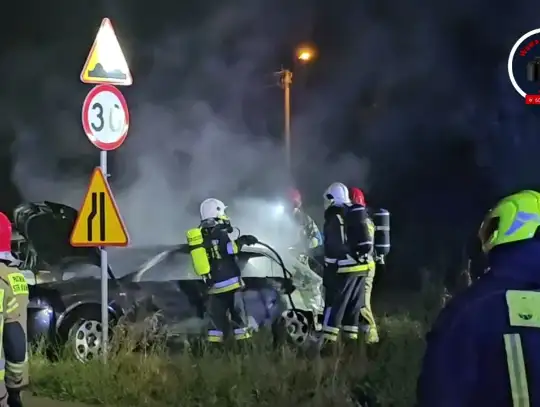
<point>47,227</point>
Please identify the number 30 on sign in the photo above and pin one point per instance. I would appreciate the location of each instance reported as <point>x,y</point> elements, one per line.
<point>105,117</point>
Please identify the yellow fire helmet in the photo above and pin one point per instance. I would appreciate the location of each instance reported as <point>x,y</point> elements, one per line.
<point>513,219</point>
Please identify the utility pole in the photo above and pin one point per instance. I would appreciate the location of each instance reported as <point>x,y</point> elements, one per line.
<point>285,76</point>
<point>304,54</point>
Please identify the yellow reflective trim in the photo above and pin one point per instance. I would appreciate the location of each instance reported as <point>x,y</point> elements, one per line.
<point>313,243</point>
<point>350,328</point>
<point>225,289</point>
<point>357,268</point>
<point>331,329</point>
<point>330,337</point>
<point>523,308</point>
<point>371,229</point>
<point>18,284</point>
<point>342,228</point>
<point>215,339</point>
<point>350,335</point>
<point>9,309</point>
<point>516,370</point>
<point>215,252</point>
<point>240,337</point>
<point>2,292</point>
<point>12,304</point>
<point>15,368</point>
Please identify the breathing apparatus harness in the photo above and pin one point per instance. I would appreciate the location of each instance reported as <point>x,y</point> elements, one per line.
<point>201,264</point>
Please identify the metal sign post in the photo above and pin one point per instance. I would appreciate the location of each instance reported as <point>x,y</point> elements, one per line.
<point>104,276</point>
<point>105,120</point>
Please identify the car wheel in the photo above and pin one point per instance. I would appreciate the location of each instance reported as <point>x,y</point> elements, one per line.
<point>297,326</point>
<point>82,332</point>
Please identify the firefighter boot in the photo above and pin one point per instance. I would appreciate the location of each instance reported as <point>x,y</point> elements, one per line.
<point>371,333</point>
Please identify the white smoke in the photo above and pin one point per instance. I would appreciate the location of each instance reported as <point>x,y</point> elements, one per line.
<point>187,137</point>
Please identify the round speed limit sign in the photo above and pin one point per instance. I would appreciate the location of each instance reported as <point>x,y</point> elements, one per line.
<point>105,117</point>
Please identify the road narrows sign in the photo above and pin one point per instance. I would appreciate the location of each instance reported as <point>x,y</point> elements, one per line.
<point>99,222</point>
<point>105,117</point>
<point>106,62</point>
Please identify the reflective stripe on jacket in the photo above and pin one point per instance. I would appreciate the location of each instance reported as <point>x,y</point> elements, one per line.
<point>224,273</point>
<point>13,311</point>
<point>227,285</point>
<point>337,250</point>
<point>350,265</point>
<point>483,348</point>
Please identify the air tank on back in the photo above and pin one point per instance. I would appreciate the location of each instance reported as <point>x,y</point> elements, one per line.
<point>381,220</point>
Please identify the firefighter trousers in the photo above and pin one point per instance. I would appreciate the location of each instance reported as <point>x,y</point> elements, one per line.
<point>367,320</point>
<point>342,299</point>
<point>227,313</point>
<point>348,306</point>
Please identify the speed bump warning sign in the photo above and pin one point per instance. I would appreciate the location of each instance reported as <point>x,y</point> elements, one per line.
<point>106,62</point>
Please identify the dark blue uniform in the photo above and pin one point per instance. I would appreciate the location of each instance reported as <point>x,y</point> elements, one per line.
<point>225,306</point>
<point>347,258</point>
<point>484,349</point>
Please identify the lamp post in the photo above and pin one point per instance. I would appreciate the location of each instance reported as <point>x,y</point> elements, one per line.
<point>304,54</point>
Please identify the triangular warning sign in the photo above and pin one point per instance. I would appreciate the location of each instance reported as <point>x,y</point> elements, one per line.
<point>99,222</point>
<point>106,62</point>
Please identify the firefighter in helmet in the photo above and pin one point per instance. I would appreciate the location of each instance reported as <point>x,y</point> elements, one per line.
<point>348,260</point>
<point>213,254</point>
<point>483,347</point>
<point>379,231</point>
<point>310,237</point>
<point>13,303</point>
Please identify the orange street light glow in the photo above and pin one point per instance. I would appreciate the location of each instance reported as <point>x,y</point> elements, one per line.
<point>305,53</point>
<point>304,56</point>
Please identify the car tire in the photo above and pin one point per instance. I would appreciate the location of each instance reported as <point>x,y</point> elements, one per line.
<point>294,327</point>
<point>80,332</point>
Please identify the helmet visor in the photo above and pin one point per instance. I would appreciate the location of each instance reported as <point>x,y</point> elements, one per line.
<point>487,232</point>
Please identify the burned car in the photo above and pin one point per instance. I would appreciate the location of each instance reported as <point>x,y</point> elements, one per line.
<point>158,284</point>
<point>41,232</point>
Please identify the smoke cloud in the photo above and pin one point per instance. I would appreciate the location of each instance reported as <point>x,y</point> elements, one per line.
<point>200,108</point>
<point>409,100</point>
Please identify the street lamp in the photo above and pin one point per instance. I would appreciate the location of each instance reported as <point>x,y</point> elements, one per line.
<point>304,54</point>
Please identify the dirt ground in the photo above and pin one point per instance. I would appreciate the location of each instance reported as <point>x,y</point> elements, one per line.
<point>31,401</point>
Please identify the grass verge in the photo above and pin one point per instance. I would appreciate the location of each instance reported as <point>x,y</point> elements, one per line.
<point>259,375</point>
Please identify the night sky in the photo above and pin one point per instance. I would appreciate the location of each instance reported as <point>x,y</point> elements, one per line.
<point>410,100</point>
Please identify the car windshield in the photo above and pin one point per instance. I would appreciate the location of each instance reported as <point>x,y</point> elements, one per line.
<point>169,263</point>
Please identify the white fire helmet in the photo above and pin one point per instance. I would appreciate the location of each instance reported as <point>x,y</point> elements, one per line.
<point>212,208</point>
<point>336,194</point>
